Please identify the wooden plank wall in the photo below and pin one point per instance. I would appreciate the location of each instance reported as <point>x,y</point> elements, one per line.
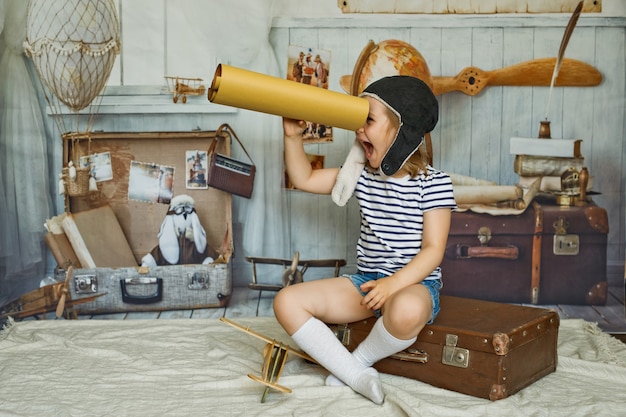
<point>473,134</point>
<point>472,137</point>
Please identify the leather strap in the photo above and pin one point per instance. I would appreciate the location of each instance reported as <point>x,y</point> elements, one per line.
<point>496,252</point>
<point>535,274</point>
<point>218,133</point>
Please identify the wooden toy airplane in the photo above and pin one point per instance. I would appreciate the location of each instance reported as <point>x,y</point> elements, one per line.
<point>274,357</point>
<point>291,274</point>
<point>54,297</point>
<point>183,87</point>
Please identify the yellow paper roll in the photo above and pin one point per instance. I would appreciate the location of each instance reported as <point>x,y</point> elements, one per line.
<point>250,90</point>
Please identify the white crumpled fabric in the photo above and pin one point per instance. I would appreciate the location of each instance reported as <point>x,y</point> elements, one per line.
<point>199,367</point>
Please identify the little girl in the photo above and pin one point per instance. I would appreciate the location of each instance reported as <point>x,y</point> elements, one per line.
<point>405,207</point>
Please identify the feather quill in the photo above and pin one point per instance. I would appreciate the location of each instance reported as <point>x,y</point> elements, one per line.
<point>559,59</point>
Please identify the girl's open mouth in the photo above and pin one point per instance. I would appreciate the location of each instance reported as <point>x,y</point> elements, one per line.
<point>369,149</point>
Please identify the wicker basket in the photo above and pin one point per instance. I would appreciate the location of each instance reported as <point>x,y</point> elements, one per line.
<point>79,186</point>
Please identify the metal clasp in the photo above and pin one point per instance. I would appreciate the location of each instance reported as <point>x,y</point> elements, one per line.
<point>199,281</point>
<point>484,235</point>
<point>411,355</point>
<point>560,226</point>
<point>343,334</point>
<point>564,243</point>
<point>85,284</point>
<point>454,356</point>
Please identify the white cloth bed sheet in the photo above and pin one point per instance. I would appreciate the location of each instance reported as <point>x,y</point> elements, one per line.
<point>199,367</point>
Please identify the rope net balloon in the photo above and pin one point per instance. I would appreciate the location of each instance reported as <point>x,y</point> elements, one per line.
<point>73,45</point>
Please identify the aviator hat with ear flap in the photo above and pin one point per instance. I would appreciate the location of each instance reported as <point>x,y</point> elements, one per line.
<point>417,109</point>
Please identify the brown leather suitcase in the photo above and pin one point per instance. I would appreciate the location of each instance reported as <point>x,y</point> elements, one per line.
<point>550,254</point>
<point>480,348</point>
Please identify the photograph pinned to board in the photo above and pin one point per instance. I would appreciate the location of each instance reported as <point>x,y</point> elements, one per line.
<point>317,162</point>
<point>310,66</point>
<point>196,173</point>
<point>100,165</point>
<point>150,183</point>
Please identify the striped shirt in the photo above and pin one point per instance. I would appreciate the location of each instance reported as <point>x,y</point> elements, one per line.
<point>392,217</point>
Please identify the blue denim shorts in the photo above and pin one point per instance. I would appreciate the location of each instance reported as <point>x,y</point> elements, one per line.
<point>433,286</point>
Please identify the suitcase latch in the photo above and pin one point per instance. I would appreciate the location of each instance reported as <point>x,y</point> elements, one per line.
<point>343,334</point>
<point>85,284</point>
<point>199,281</point>
<point>411,355</point>
<point>564,243</point>
<point>484,235</point>
<point>453,355</point>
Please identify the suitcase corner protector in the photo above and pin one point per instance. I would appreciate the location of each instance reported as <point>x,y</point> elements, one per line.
<point>498,392</point>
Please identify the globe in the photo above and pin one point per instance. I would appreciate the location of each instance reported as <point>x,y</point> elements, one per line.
<point>389,57</point>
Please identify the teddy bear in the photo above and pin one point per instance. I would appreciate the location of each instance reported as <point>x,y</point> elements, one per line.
<point>182,239</point>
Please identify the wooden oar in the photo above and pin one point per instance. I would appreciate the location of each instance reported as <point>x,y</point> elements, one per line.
<point>536,72</point>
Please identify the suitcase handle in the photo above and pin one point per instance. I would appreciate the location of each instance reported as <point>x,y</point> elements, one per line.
<point>460,251</point>
<point>142,299</point>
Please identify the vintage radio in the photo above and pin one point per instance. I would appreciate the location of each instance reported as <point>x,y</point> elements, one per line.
<point>228,174</point>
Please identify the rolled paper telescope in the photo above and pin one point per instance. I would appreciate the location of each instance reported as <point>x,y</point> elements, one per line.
<point>250,90</point>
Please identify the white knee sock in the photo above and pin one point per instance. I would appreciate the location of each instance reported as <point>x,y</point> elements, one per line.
<point>316,339</point>
<point>378,344</point>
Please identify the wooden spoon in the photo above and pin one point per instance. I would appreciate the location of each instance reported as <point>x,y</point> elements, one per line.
<point>536,72</point>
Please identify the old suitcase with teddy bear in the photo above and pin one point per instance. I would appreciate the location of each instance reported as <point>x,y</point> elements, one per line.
<point>163,271</point>
<point>480,348</point>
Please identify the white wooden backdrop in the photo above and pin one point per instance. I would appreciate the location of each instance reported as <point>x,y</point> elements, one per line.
<point>472,137</point>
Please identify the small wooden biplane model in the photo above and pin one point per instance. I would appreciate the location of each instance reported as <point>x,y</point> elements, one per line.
<point>54,297</point>
<point>274,357</point>
<point>181,87</point>
<point>291,274</point>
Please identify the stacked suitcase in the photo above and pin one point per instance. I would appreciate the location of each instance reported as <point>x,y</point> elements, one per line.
<point>549,254</point>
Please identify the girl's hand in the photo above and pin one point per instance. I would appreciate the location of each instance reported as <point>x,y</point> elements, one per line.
<point>293,128</point>
<point>377,292</point>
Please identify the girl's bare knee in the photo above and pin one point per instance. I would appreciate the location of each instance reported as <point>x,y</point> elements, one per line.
<point>281,300</point>
<point>406,319</point>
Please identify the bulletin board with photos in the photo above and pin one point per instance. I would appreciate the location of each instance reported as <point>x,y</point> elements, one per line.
<point>137,174</point>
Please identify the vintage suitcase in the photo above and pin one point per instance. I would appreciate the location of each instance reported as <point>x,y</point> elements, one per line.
<point>129,287</point>
<point>141,221</point>
<point>172,287</point>
<point>480,348</point>
<point>550,254</point>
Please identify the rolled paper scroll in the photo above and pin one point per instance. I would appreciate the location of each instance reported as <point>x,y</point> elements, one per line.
<point>514,207</point>
<point>458,179</point>
<point>250,90</point>
<point>486,194</point>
